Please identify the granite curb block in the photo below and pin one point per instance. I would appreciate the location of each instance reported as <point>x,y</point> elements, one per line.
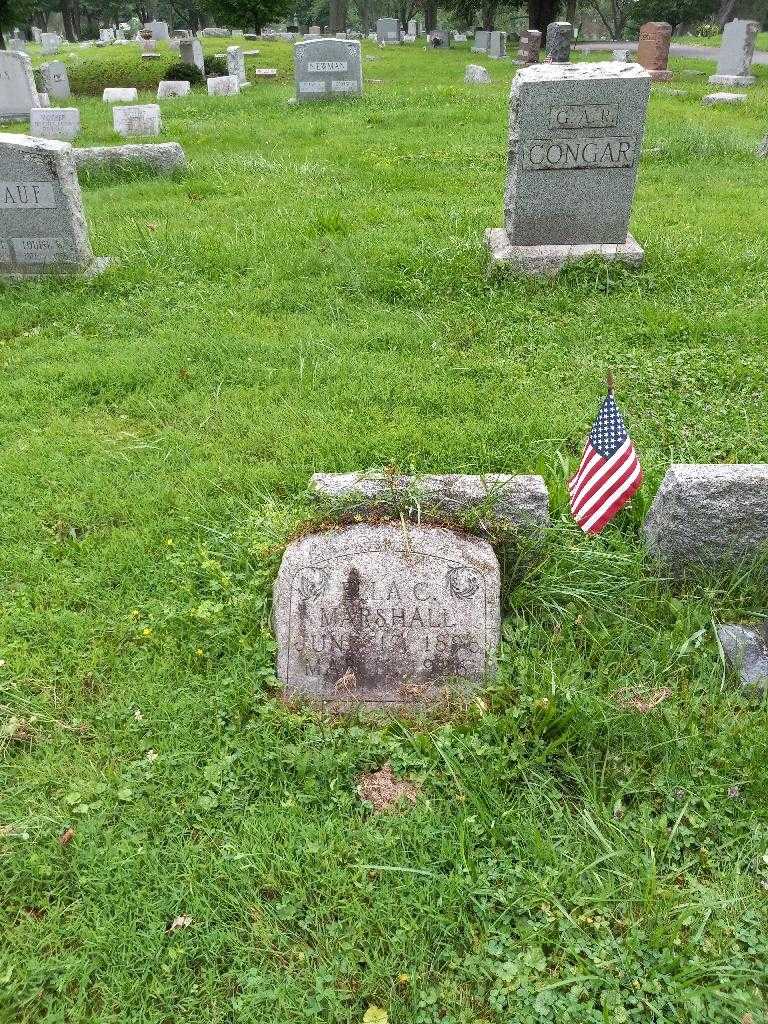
<point>549,260</point>
<point>162,157</point>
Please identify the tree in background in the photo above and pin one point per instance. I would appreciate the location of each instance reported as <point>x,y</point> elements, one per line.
<point>14,13</point>
<point>676,12</point>
<point>337,16</point>
<point>251,15</point>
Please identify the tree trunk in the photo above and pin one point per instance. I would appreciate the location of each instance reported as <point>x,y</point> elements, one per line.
<point>430,14</point>
<point>68,19</point>
<point>541,13</point>
<point>725,12</point>
<point>337,16</point>
<point>488,13</point>
<point>2,40</point>
<point>570,12</point>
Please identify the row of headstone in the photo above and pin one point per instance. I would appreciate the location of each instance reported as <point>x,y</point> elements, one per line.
<point>493,44</point>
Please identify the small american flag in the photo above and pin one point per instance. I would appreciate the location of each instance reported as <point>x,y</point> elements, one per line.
<point>609,473</point>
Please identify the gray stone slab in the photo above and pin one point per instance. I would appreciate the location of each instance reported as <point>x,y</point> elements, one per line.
<point>497,45</point>
<point>548,260</point>
<point>439,39</point>
<point>475,74</point>
<point>388,31</point>
<point>747,652</point>
<point>740,81</point>
<point>50,42</point>
<point>482,41</point>
<point>559,40</point>
<point>737,49</point>
<point>18,93</point>
<point>191,52</point>
<point>327,69</point>
<point>714,98</point>
<point>56,79</point>
<point>118,95</point>
<point>224,85</point>
<point>709,514</point>
<point>139,119</point>
<point>386,615</point>
<point>236,64</point>
<point>43,100</point>
<point>159,30</point>
<point>54,123</point>
<point>574,146</point>
<point>161,157</point>
<point>170,89</point>
<point>44,230</point>
<point>513,500</point>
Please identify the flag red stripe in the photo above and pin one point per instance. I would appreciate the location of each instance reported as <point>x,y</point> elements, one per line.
<point>631,487</point>
<point>587,460</point>
<point>594,487</point>
<point>597,497</point>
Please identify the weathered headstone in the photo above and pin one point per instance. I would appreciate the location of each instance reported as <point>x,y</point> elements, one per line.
<point>459,37</point>
<point>50,43</point>
<point>497,45</point>
<point>622,56</point>
<point>236,64</point>
<point>327,69</point>
<point>388,31</point>
<point>314,30</point>
<point>142,119</point>
<point>18,93</point>
<point>709,514</point>
<point>159,30</point>
<point>736,52</point>
<point>414,28</point>
<point>191,52</point>
<point>712,99</point>
<point>37,34</point>
<point>43,225</point>
<point>224,85</point>
<point>482,41</point>
<point>559,39</point>
<point>43,100</point>
<point>160,157</point>
<point>54,123</point>
<point>475,74</point>
<point>653,49</point>
<point>383,615</point>
<point>56,79</point>
<point>747,651</point>
<point>439,39</point>
<point>148,46</point>
<point>169,89</point>
<point>119,95</point>
<point>574,145</point>
<point>106,35</point>
<point>530,47</point>
<point>17,45</point>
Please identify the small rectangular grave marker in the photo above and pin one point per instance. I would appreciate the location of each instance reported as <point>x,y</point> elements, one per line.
<point>54,123</point>
<point>224,85</point>
<point>171,89</point>
<point>653,49</point>
<point>116,95</point>
<point>142,119</point>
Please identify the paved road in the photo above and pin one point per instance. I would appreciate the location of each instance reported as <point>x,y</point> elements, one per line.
<point>676,49</point>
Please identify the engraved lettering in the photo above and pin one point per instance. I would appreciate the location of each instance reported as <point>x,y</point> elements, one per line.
<point>562,154</point>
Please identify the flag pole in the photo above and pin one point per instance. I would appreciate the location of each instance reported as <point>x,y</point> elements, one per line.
<point>609,382</point>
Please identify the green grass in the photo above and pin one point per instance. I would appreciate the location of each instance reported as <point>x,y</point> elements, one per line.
<point>311,295</point>
<point>761,40</point>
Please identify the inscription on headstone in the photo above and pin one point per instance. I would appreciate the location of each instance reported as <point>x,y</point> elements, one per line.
<point>327,69</point>
<point>42,224</point>
<point>142,119</point>
<point>653,49</point>
<point>574,145</point>
<point>386,615</point>
<point>54,122</point>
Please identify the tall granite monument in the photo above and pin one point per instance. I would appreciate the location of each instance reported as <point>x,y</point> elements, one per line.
<point>653,49</point>
<point>737,49</point>
<point>574,145</point>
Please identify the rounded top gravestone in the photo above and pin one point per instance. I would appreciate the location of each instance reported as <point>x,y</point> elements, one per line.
<point>386,615</point>
<point>653,49</point>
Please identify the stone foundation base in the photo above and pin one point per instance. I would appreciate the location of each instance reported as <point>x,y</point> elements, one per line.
<point>98,265</point>
<point>740,80</point>
<point>548,260</point>
<point>660,76</point>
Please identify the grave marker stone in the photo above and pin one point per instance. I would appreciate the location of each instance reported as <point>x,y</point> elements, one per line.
<point>159,30</point>
<point>715,98</point>
<point>191,52</point>
<point>314,30</point>
<point>142,119</point>
<point>327,69</point>
<point>224,85</point>
<point>414,28</point>
<point>388,31</point>
<point>383,615</point>
<point>106,35</point>
<point>236,64</point>
<point>440,39</point>
<point>43,227</point>
<point>653,49</point>
<point>17,45</point>
<point>574,145</point>
<point>119,95</point>
<point>497,45</point>
<point>475,74</point>
<point>169,89</point>
<point>736,52</point>
<point>50,43</point>
<point>54,123</point>
<point>559,39</point>
<point>482,41</point>
<point>18,93</point>
<point>56,79</point>
<point>530,47</point>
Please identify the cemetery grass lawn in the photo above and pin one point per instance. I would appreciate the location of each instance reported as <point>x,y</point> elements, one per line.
<point>311,295</point>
